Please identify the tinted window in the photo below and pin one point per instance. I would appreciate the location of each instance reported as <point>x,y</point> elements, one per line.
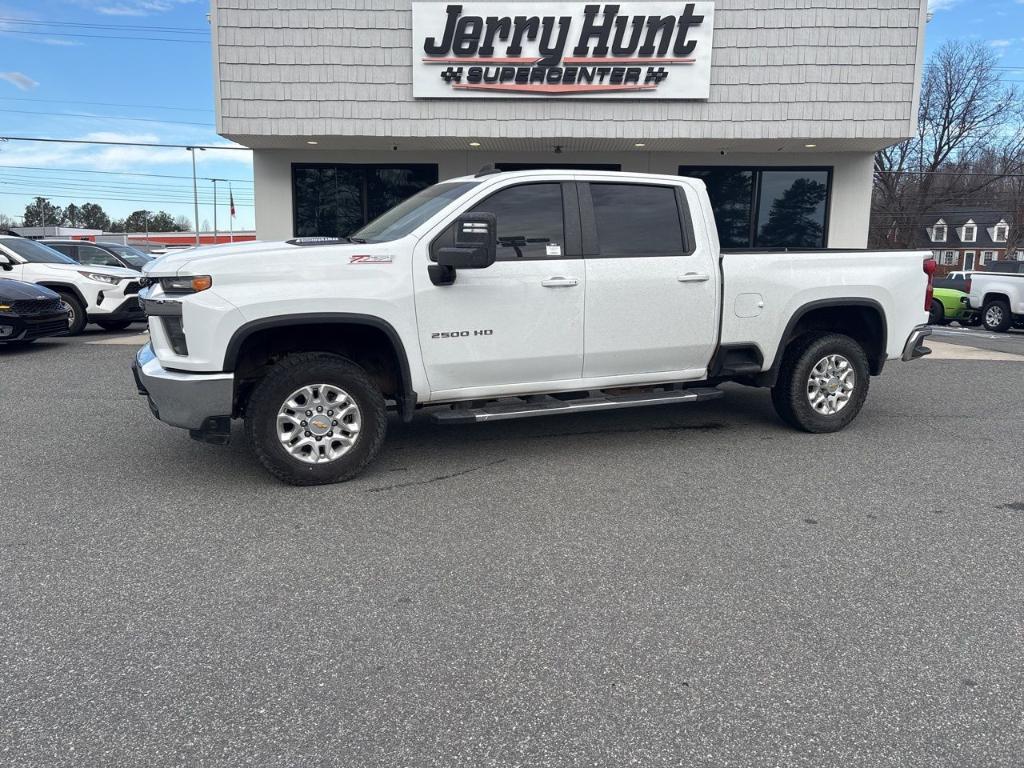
<point>529,221</point>
<point>767,207</point>
<point>96,257</point>
<point>731,191</point>
<point>405,217</point>
<point>133,256</point>
<point>791,210</point>
<point>336,200</point>
<point>67,250</point>
<point>636,219</point>
<point>35,253</point>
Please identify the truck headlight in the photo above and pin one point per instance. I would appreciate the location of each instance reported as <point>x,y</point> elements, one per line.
<point>187,284</point>
<point>108,279</point>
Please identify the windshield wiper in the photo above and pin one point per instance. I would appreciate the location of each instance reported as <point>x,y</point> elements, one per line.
<point>356,240</point>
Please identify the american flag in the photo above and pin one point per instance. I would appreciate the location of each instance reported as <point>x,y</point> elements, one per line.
<point>231,198</point>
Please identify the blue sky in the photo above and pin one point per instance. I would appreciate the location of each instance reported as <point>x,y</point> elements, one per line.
<point>66,64</point>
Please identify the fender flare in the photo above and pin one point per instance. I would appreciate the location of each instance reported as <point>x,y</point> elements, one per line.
<point>770,376</point>
<point>54,285</point>
<point>407,397</point>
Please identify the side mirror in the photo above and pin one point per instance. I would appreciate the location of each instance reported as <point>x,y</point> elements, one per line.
<point>5,263</point>
<point>476,247</point>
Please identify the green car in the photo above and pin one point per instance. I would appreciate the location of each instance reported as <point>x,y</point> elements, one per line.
<point>949,304</point>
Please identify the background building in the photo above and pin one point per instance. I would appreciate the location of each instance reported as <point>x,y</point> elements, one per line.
<point>778,105</point>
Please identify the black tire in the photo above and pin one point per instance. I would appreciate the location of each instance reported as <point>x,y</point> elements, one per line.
<point>113,325</point>
<point>1000,319</point>
<point>937,314</point>
<point>77,321</point>
<point>790,393</point>
<point>293,373</point>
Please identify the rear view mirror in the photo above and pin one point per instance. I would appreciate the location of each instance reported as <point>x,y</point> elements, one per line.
<point>476,247</point>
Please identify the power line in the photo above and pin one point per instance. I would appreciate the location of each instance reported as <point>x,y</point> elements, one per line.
<point>117,199</point>
<point>101,37</point>
<point>114,173</point>
<point>125,27</point>
<point>106,117</point>
<point>122,143</point>
<point>108,104</point>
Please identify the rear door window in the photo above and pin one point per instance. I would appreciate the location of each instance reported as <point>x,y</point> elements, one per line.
<point>636,220</point>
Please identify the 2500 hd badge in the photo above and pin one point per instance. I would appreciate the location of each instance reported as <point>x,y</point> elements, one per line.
<point>461,334</point>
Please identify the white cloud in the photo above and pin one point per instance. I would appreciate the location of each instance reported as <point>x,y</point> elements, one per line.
<point>942,5</point>
<point>1000,43</point>
<point>139,7</point>
<point>19,80</point>
<point>59,41</point>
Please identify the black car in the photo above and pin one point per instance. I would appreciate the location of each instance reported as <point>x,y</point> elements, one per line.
<point>101,254</point>
<point>29,312</point>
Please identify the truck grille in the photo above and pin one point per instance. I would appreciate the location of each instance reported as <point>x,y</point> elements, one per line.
<point>29,307</point>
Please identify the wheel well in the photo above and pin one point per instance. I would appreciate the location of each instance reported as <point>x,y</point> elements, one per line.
<point>864,323</point>
<point>65,288</point>
<point>995,297</point>
<point>369,346</point>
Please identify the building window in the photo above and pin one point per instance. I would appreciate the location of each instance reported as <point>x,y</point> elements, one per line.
<point>1020,255</point>
<point>949,259</point>
<point>939,232</point>
<point>335,200</point>
<point>970,232</point>
<point>1002,231</point>
<point>768,207</point>
<point>987,257</point>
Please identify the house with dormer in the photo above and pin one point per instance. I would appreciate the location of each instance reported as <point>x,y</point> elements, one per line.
<point>968,239</point>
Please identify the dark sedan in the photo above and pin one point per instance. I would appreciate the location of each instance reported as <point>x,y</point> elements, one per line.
<point>29,312</point>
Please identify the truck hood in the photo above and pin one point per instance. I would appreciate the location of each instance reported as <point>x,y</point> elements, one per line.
<point>260,256</point>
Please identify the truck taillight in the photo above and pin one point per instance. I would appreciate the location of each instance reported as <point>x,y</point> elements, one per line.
<point>929,269</point>
<point>967,285</point>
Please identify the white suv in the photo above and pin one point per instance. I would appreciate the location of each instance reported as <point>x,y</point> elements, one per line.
<point>106,296</point>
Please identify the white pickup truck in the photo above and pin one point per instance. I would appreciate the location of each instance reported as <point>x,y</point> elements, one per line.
<point>511,295</point>
<point>999,298</point>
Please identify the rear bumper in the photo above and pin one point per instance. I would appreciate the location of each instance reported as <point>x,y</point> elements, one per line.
<point>186,400</point>
<point>915,348</point>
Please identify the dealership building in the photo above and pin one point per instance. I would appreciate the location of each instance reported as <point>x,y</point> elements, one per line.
<point>351,106</point>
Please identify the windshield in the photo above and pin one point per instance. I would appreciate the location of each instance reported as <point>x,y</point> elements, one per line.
<point>35,253</point>
<point>133,256</point>
<point>406,216</point>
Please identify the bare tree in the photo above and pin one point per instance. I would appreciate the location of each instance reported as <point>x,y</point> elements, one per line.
<point>968,118</point>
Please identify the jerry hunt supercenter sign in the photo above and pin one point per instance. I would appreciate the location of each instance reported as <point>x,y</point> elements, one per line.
<point>626,50</point>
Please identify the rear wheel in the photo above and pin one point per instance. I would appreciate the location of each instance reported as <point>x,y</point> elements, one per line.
<point>316,418</point>
<point>995,315</point>
<point>823,382</point>
<point>76,313</point>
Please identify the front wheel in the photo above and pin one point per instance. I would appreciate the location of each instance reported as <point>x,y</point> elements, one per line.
<point>823,382</point>
<point>315,418</point>
<point>937,313</point>
<point>76,313</point>
<point>995,315</point>
<point>113,325</point>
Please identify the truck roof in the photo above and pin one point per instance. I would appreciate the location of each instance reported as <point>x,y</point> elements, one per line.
<point>487,173</point>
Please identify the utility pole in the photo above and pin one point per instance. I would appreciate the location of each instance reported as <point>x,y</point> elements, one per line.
<point>195,188</point>
<point>215,208</point>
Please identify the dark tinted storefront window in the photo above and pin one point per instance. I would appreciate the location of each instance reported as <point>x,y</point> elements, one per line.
<point>336,200</point>
<point>768,207</point>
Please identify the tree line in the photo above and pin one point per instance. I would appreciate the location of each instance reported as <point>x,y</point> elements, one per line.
<point>968,151</point>
<point>41,212</point>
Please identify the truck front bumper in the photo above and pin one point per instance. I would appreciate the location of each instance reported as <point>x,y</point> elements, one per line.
<point>193,401</point>
<point>915,348</point>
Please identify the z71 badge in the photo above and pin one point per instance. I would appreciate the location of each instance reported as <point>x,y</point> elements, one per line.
<point>366,258</point>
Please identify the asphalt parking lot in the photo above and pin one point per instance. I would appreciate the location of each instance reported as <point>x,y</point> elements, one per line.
<point>678,586</point>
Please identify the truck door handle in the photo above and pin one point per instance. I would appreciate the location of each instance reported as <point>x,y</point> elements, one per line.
<point>694,277</point>
<point>560,282</point>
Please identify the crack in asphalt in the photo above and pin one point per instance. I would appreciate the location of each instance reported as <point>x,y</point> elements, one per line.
<point>436,479</point>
